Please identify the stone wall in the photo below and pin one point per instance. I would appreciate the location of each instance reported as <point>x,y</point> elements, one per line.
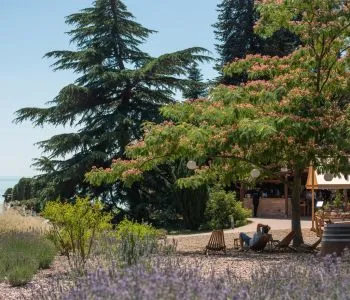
<point>269,207</point>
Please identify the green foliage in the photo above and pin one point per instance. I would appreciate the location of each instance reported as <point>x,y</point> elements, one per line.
<point>293,110</point>
<point>22,254</point>
<point>119,86</point>
<point>234,31</point>
<point>8,195</point>
<point>23,189</point>
<point>22,272</point>
<point>193,201</point>
<point>136,240</point>
<point>327,207</point>
<point>28,191</point>
<point>196,88</point>
<point>221,207</point>
<point>338,201</point>
<point>75,227</point>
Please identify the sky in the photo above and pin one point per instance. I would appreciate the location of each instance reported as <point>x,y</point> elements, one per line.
<point>29,29</point>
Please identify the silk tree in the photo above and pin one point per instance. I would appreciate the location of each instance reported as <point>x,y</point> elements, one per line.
<point>234,32</point>
<point>297,115</point>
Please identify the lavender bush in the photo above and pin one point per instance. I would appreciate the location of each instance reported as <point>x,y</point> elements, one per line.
<point>305,278</point>
<point>162,280</point>
<point>131,243</point>
<point>22,254</point>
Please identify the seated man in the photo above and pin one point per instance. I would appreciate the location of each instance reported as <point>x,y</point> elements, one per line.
<point>261,229</point>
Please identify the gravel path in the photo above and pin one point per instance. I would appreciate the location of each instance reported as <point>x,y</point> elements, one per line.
<point>241,264</point>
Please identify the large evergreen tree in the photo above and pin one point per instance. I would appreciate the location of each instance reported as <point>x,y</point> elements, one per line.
<point>196,87</point>
<point>234,31</point>
<point>119,87</point>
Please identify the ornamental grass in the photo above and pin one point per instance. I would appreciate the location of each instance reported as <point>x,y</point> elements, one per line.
<point>12,220</point>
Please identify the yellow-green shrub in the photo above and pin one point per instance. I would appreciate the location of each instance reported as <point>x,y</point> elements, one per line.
<point>75,227</point>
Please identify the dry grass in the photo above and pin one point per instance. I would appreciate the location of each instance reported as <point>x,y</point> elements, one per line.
<point>11,220</point>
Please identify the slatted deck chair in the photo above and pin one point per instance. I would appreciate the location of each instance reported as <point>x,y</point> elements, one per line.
<point>260,245</point>
<point>284,243</point>
<point>216,242</point>
<point>311,247</point>
<point>307,247</point>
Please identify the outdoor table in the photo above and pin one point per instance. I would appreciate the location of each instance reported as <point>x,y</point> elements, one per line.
<point>270,241</point>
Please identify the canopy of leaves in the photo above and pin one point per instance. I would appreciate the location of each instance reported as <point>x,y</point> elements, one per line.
<point>236,38</point>
<point>296,116</point>
<point>196,88</point>
<point>293,110</point>
<point>118,87</point>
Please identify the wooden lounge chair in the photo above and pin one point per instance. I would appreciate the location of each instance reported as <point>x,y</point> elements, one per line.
<point>260,245</point>
<point>311,247</point>
<point>307,247</point>
<point>284,243</point>
<point>216,242</point>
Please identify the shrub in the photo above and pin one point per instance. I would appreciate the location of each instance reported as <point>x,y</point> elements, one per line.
<point>75,227</point>
<point>22,272</point>
<point>151,282</point>
<point>45,254</point>
<point>221,207</point>
<point>22,254</point>
<point>305,278</point>
<point>136,240</point>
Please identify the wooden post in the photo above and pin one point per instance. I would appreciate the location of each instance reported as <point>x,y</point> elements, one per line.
<point>286,197</point>
<point>241,193</point>
<point>312,200</point>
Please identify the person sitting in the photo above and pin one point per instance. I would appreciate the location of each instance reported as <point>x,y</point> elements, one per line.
<point>261,230</point>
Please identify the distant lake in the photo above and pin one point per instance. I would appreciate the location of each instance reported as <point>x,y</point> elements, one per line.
<point>5,183</point>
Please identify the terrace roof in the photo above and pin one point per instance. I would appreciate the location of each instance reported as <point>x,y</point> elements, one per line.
<point>337,183</point>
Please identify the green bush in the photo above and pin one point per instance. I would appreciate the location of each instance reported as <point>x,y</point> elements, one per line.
<point>22,254</point>
<point>75,227</point>
<point>223,205</point>
<point>45,254</point>
<point>22,272</point>
<point>136,240</point>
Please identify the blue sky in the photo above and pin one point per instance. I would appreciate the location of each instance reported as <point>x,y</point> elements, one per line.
<point>29,29</point>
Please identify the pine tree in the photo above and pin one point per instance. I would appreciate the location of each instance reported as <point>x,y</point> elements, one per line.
<point>196,87</point>
<point>234,30</point>
<point>119,87</point>
<point>235,34</point>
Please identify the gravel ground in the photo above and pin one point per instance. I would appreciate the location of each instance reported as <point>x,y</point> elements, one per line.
<point>190,251</point>
<point>41,281</point>
<point>241,264</point>
<point>198,242</point>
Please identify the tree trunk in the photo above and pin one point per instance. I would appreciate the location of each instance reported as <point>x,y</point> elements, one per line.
<point>296,225</point>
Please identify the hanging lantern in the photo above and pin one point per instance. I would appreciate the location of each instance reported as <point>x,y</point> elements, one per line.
<point>255,173</point>
<point>284,169</point>
<point>328,177</point>
<point>192,165</point>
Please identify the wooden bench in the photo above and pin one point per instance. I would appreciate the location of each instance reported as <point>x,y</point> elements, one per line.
<point>216,242</point>
<point>319,224</point>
